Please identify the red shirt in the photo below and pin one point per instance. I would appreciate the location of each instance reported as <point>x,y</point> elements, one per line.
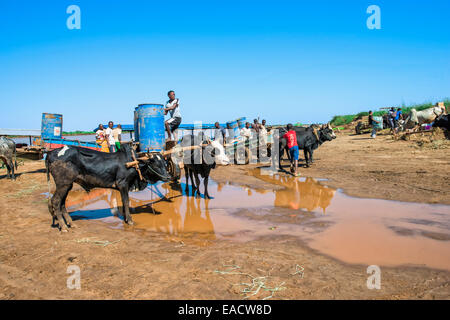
<point>291,138</point>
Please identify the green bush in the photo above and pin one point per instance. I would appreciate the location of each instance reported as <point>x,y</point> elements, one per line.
<point>341,120</point>
<point>362,114</point>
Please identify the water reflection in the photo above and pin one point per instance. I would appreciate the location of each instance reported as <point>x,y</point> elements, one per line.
<point>169,212</point>
<point>305,193</point>
<point>367,231</point>
<point>165,208</point>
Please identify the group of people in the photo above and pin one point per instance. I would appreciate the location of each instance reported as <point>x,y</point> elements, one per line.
<point>225,135</point>
<point>110,138</point>
<point>393,119</point>
<point>394,116</point>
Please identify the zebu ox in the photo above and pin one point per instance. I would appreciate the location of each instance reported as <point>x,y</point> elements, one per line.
<point>93,169</point>
<point>416,118</point>
<point>8,156</point>
<point>200,156</point>
<point>308,140</point>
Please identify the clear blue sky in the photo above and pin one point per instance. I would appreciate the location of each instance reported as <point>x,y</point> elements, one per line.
<point>285,61</point>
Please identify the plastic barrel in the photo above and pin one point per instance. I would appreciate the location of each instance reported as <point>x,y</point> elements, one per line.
<point>51,127</point>
<point>235,127</point>
<point>378,125</point>
<point>151,127</point>
<point>241,122</point>
<point>136,125</point>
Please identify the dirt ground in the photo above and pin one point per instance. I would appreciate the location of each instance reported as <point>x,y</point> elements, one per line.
<point>133,264</point>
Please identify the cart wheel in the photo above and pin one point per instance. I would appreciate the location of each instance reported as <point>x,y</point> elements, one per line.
<point>174,170</point>
<point>358,128</point>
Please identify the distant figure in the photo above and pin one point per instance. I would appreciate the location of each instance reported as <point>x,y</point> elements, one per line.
<point>110,137</point>
<point>398,118</point>
<point>391,118</point>
<point>399,115</point>
<point>229,133</point>
<point>246,131</point>
<point>219,133</point>
<point>256,125</point>
<point>373,124</point>
<point>117,133</point>
<point>173,108</point>
<point>263,132</point>
<point>100,137</point>
<point>262,137</point>
<point>291,139</point>
<point>263,123</point>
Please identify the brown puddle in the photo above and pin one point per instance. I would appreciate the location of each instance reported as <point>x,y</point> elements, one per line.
<point>354,230</point>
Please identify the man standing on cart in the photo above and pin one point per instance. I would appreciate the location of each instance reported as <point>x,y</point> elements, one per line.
<point>173,108</point>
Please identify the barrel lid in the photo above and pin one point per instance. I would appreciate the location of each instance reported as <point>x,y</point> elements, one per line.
<point>53,114</point>
<point>151,104</point>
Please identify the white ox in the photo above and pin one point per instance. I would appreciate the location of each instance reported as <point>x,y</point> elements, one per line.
<point>417,118</point>
<point>220,157</point>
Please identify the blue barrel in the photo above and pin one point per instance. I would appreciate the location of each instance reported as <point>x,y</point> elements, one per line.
<point>241,122</point>
<point>51,127</point>
<point>235,127</point>
<point>151,127</point>
<point>136,125</point>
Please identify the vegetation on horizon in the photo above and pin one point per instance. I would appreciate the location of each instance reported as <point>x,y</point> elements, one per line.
<point>76,133</point>
<point>340,120</point>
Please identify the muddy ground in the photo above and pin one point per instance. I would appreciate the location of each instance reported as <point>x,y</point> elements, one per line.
<point>136,264</point>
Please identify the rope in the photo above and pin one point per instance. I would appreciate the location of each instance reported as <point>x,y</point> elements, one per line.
<point>148,166</point>
<point>252,289</point>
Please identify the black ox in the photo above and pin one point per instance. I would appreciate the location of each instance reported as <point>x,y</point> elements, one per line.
<point>443,122</point>
<point>94,169</point>
<point>198,162</point>
<point>8,156</point>
<point>308,140</point>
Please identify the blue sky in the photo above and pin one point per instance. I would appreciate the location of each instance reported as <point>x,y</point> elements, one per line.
<point>285,61</point>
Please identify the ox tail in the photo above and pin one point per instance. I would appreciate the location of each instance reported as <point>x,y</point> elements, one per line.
<point>48,176</point>
<point>15,157</point>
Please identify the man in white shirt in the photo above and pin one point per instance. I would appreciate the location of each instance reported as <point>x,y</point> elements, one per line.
<point>246,131</point>
<point>110,137</point>
<point>229,134</point>
<point>117,134</point>
<point>173,108</point>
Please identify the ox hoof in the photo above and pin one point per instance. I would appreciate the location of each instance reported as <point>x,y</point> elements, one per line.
<point>73,226</point>
<point>130,223</point>
<point>64,230</point>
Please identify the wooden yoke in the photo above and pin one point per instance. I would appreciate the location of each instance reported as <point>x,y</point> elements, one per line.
<point>136,165</point>
<point>135,161</point>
